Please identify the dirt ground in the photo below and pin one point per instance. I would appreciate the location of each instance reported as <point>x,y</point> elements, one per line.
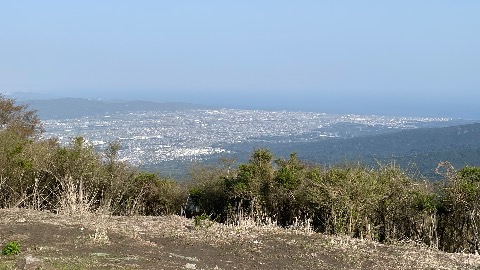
<point>90,241</point>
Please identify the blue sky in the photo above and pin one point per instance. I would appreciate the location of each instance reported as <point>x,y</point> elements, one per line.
<point>383,57</point>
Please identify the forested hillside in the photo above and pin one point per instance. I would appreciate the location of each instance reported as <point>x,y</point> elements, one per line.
<point>416,150</point>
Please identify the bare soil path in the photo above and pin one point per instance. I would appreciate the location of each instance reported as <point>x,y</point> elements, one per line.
<point>90,241</point>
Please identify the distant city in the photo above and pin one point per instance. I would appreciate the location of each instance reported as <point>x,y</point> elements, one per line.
<point>153,137</point>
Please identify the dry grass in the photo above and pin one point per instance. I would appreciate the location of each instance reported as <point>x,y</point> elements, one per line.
<point>266,243</point>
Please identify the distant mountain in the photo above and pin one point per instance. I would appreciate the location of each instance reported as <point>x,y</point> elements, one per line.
<point>419,150</point>
<point>64,108</point>
<point>23,96</point>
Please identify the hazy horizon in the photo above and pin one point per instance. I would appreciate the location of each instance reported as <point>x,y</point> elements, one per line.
<point>405,58</point>
<point>415,108</point>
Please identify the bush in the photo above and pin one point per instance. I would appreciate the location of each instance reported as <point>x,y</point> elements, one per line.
<point>44,175</point>
<point>12,248</point>
<point>460,210</point>
<point>382,204</point>
<point>207,190</point>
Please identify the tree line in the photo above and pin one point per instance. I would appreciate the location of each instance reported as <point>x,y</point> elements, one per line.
<point>382,203</point>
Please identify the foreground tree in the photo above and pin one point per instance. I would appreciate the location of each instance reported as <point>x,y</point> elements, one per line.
<point>18,126</point>
<point>19,119</point>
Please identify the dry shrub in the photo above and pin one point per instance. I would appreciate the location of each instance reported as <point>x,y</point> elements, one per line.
<point>459,214</point>
<point>383,204</point>
<point>74,198</point>
<point>44,175</point>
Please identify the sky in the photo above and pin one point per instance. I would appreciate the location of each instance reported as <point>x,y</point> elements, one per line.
<point>412,58</point>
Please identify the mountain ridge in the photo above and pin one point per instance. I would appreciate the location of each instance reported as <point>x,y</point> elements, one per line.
<point>64,108</point>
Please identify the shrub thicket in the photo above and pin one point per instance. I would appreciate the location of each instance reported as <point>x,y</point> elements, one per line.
<point>47,176</point>
<point>44,175</point>
<point>383,204</point>
<point>459,209</point>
